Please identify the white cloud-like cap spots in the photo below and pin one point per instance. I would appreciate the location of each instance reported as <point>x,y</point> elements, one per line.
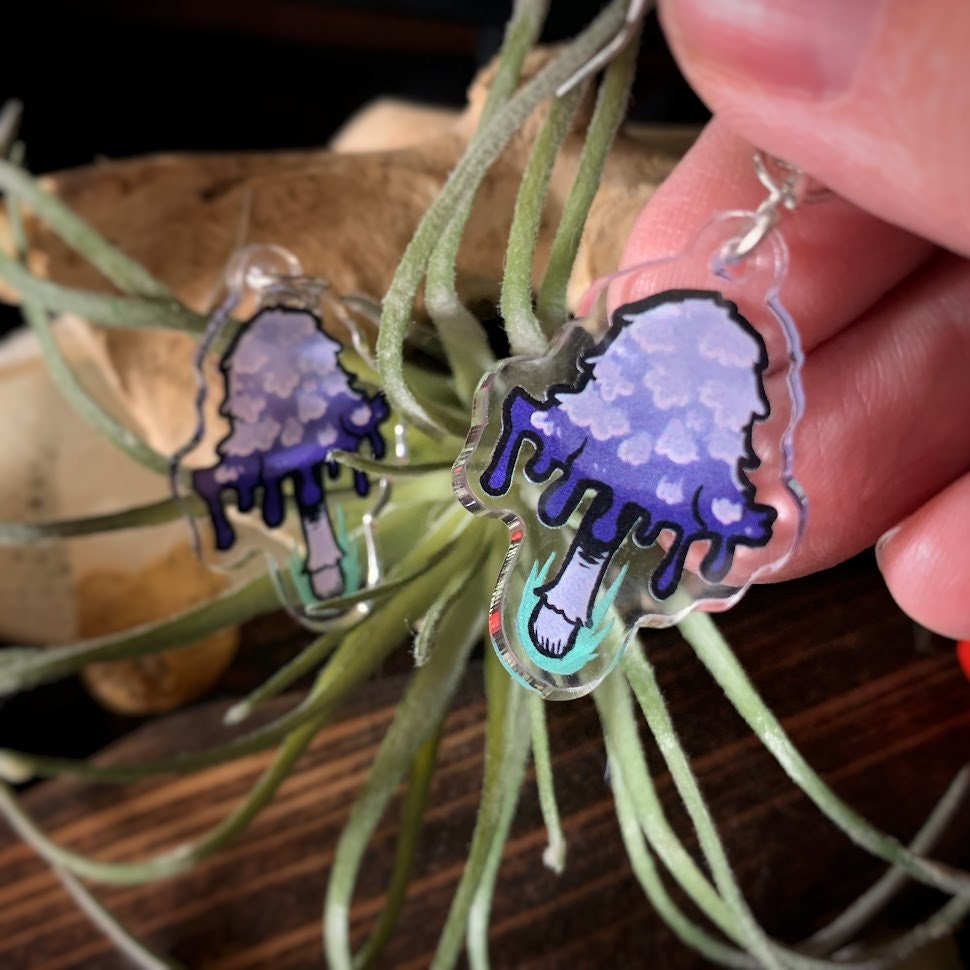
<point>725,445</point>
<point>285,381</point>
<point>249,357</point>
<point>661,336</point>
<point>670,383</point>
<point>590,411</point>
<point>676,384</point>
<point>636,449</point>
<point>327,437</point>
<point>247,439</point>
<point>310,407</point>
<point>334,383</point>
<point>292,433</point>
<point>611,381</point>
<point>730,347</point>
<point>319,358</point>
<point>543,423</point>
<point>292,329</point>
<point>246,407</point>
<point>725,511</point>
<point>280,380</point>
<point>226,474</point>
<point>730,403</point>
<point>676,443</point>
<point>361,415</point>
<point>670,492</point>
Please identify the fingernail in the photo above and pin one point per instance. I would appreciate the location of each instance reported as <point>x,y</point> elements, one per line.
<point>883,541</point>
<point>807,48</point>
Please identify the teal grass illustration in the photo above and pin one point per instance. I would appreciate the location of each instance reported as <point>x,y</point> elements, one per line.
<point>589,637</point>
<point>350,564</point>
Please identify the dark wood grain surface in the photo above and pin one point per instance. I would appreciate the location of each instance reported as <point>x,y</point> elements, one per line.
<point>886,723</point>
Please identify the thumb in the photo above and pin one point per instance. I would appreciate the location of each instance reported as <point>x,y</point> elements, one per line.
<point>871,97</point>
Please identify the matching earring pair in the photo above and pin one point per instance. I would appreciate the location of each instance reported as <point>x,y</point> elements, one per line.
<point>643,465</point>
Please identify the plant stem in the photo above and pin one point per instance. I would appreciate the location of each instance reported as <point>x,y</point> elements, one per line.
<point>321,648</point>
<point>61,371</point>
<point>129,944</point>
<point>848,923</point>
<point>554,856</point>
<point>22,668</point>
<point>619,726</point>
<point>351,663</point>
<point>647,875</point>
<point>107,309</point>
<point>613,702</point>
<point>362,651</point>
<point>137,517</point>
<point>85,405</point>
<point>406,850</point>
<point>611,105</point>
<point>523,329</point>
<point>521,33</point>
<point>178,860</point>
<point>126,273</point>
<point>480,911</point>
<point>640,675</point>
<point>307,659</point>
<point>390,469</point>
<point>624,744</point>
<point>462,337</point>
<point>454,592</point>
<point>417,717</point>
<point>399,300</point>
<point>10,115</point>
<point>506,751</point>
<point>701,633</point>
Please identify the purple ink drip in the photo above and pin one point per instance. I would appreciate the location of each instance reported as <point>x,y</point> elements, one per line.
<point>658,428</point>
<point>290,405</point>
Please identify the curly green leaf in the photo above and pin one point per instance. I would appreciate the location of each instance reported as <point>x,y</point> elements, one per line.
<point>506,752</point>
<point>137,517</point>
<point>399,300</point>
<point>420,711</point>
<point>521,324</point>
<point>608,114</point>
<point>126,273</point>
<point>712,649</point>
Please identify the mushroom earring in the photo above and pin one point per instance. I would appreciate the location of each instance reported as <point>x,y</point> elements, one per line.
<point>644,464</point>
<point>291,409</point>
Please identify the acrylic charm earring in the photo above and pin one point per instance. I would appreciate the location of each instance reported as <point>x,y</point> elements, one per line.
<point>290,406</point>
<point>643,465</point>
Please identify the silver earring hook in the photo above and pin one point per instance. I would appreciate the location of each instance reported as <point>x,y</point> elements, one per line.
<point>637,10</point>
<point>788,188</point>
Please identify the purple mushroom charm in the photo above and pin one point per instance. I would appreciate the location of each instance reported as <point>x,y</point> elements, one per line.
<point>290,405</point>
<point>647,445</point>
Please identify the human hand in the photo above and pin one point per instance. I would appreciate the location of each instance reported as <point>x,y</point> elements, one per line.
<point>872,98</point>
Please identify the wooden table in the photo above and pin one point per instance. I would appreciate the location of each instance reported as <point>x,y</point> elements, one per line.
<point>886,724</point>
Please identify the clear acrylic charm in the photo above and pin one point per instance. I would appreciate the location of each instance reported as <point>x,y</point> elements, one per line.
<point>289,406</point>
<point>643,465</point>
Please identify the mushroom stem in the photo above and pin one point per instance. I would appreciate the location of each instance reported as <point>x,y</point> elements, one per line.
<point>323,552</point>
<point>566,604</point>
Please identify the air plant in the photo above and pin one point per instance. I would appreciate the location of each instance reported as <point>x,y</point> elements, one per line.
<point>437,555</point>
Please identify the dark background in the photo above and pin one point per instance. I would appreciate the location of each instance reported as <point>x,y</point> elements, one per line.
<point>115,77</point>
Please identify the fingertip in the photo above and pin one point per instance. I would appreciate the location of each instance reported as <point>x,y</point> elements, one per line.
<point>925,561</point>
<point>788,48</point>
<point>824,290</point>
<point>715,174</point>
<point>870,96</point>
